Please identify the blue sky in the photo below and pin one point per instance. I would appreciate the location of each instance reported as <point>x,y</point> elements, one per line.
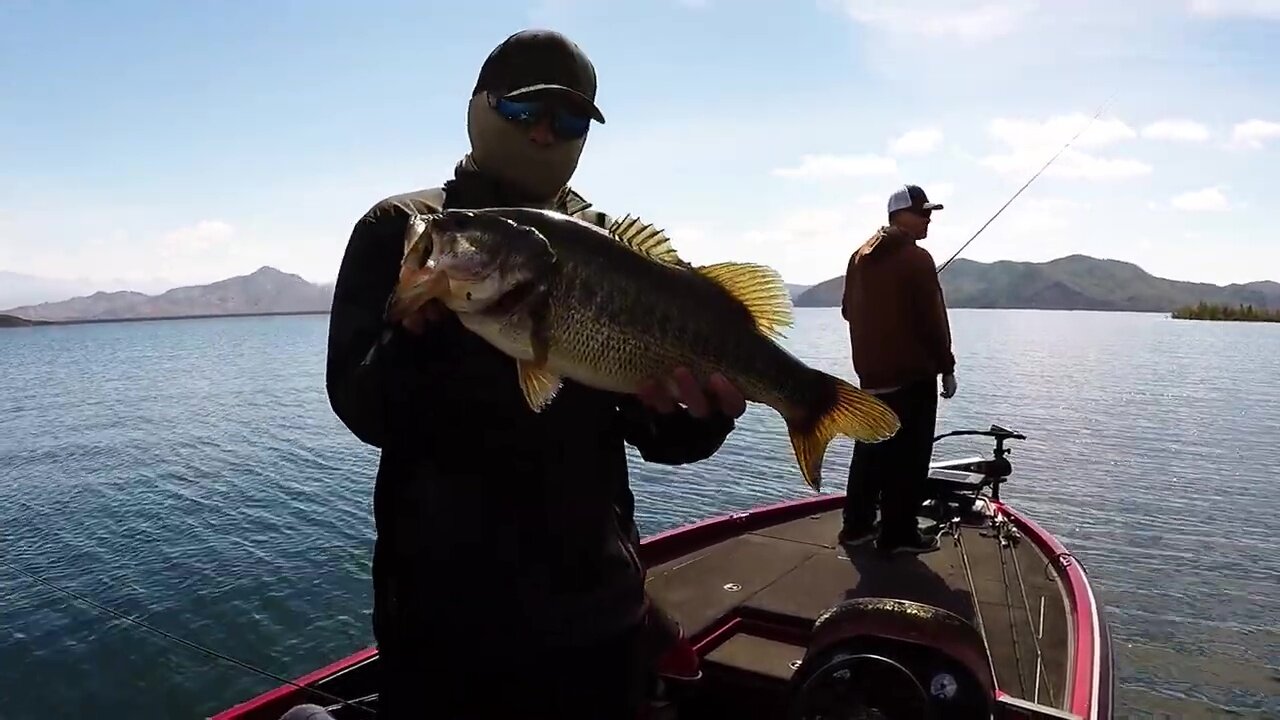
<point>160,143</point>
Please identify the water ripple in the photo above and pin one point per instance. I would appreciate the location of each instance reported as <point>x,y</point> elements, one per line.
<point>193,474</point>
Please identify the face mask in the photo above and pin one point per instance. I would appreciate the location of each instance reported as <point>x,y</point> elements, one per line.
<point>502,149</point>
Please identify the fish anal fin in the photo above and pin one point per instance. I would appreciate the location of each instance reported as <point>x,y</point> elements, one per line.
<point>850,412</point>
<point>538,384</point>
<point>759,288</point>
<point>646,240</point>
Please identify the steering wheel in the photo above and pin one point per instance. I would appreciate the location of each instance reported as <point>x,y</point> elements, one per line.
<point>871,657</point>
<point>858,685</point>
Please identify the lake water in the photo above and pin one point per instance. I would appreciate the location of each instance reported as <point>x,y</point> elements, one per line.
<point>191,473</point>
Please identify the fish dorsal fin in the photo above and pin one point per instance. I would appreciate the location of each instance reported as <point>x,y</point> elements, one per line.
<point>759,288</point>
<point>646,240</point>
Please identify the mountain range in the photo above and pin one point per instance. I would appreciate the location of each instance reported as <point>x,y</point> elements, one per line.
<point>22,289</point>
<point>264,291</point>
<point>1076,282</point>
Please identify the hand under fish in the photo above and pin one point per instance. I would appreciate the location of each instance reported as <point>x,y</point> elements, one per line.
<point>716,395</point>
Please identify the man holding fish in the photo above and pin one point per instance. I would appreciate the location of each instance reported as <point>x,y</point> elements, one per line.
<point>505,572</point>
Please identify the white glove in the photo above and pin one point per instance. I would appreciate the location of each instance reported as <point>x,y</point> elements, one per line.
<point>948,385</point>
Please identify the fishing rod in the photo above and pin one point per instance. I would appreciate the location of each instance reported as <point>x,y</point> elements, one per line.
<point>175,638</point>
<point>1027,183</point>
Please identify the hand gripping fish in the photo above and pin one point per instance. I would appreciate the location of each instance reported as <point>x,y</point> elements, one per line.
<point>613,308</point>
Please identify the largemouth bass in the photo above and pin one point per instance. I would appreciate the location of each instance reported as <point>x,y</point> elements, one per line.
<point>613,308</point>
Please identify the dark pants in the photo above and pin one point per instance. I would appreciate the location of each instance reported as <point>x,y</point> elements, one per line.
<point>892,473</point>
<point>505,679</point>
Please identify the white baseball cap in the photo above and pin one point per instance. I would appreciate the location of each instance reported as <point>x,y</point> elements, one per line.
<point>911,197</point>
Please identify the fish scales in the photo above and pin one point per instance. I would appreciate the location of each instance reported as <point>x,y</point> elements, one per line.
<point>605,315</point>
<point>661,315</point>
<point>653,346</point>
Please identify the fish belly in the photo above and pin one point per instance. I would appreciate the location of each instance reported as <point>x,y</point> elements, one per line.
<point>510,334</point>
<point>606,358</point>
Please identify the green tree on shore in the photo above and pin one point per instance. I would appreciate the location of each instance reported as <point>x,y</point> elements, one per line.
<point>1239,313</point>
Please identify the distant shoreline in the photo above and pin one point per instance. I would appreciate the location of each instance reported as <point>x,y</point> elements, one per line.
<point>13,321</point>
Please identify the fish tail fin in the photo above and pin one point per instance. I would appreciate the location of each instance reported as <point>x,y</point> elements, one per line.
<point>836,408</point>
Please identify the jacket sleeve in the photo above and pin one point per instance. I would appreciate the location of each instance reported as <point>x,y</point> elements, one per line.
<point>374,371</point>
<point>673,438</point>
<point>844,296</point>
<point>932,308</point>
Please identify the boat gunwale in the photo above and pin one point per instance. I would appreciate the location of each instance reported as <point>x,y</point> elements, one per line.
<point>1087,661</point>
<point>1087,683</point>
<point>333,669</point>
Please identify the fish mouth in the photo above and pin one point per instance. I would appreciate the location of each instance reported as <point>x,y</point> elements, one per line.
<point>417,289</point>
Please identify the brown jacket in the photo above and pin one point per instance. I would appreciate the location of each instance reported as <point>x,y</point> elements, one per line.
<point>897,316</point>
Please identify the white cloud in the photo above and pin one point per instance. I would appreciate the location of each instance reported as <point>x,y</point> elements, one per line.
<point>1030,144</point>
<point>1254,134</point>
<point>207,249</point>
<point>1058,129</point>
<point>822,167</point>
<point>196,239</point>
<point>1072,164</point>
<point>916,142</point>
<point>1038,217</point>
<point>817,240</point>
<point>1176,130</point>
<point>1265,9</point>
<point>1210,199</point>
<point>940,191</point>
<point>961,19</point>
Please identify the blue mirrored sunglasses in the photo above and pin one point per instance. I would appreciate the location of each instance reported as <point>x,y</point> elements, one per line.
<point>564,124</point>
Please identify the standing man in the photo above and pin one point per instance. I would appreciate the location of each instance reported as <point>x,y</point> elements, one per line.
<point>901,344</point>
<point>505,574</point>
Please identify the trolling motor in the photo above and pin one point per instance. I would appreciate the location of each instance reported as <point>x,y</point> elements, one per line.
<point>952,489</point>
<point>994,470</point>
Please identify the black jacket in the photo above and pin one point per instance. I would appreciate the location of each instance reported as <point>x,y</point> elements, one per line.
<point>490,519</point>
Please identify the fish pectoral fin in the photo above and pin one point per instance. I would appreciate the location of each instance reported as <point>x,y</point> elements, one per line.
<point>538,384</point>
<point>850,412</point>
<point>646,240</point>
<point>759,288</point>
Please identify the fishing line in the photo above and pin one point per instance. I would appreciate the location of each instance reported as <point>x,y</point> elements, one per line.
<point>1027,183</point>
<point>175,638</point>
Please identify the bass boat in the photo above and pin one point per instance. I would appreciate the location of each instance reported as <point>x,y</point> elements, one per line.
<point>776,619</point>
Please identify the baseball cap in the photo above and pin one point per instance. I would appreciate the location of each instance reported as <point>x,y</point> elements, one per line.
<point>538,65</point>
<point>911,197</point>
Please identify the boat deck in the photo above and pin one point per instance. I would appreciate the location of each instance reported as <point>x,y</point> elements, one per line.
<point>792,572</point>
